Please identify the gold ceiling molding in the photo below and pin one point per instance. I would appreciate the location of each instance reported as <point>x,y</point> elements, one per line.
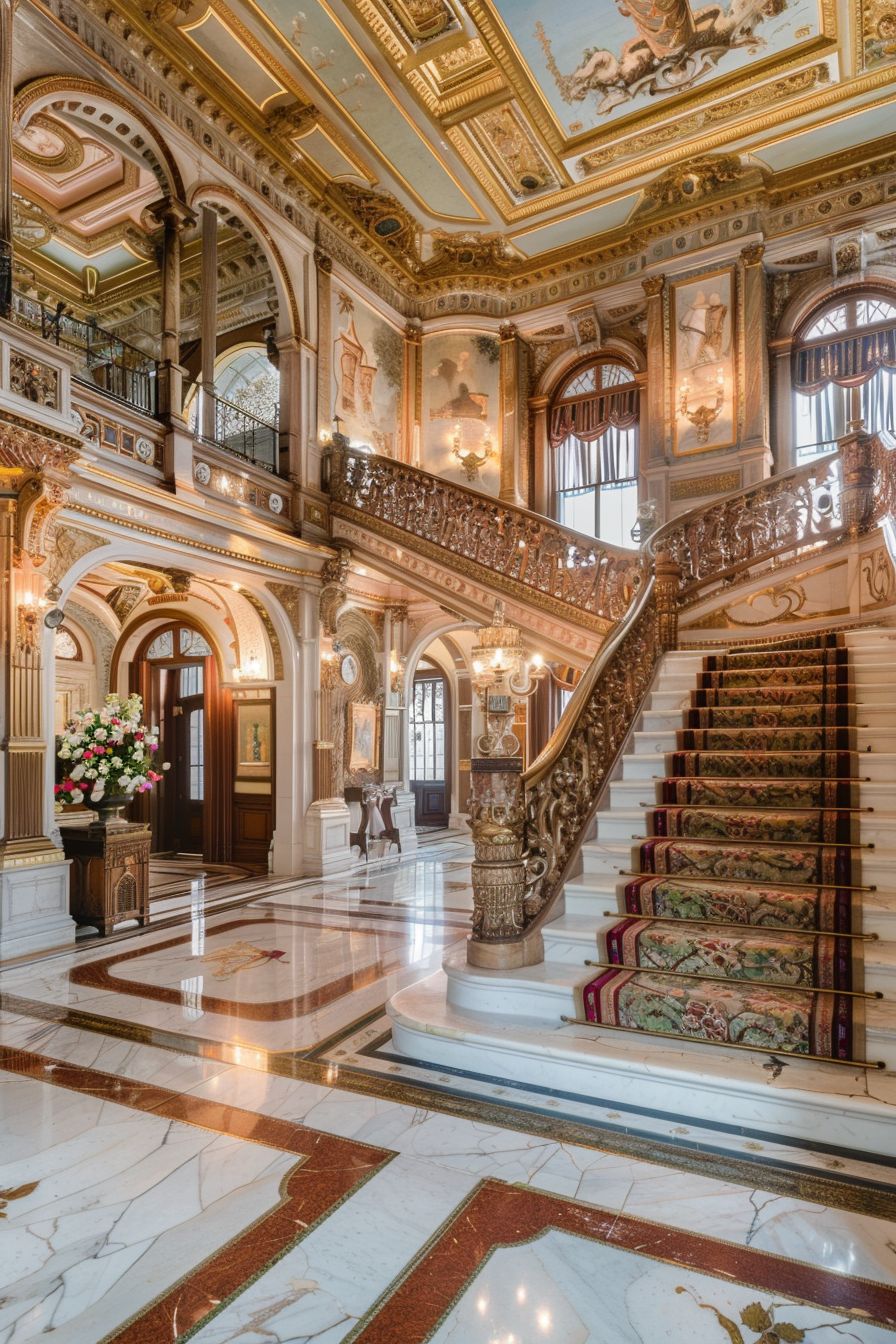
<point>69,157</point>
<point>252,45</point>
<point>771,94</point>
<point>155,152</point>
<point>710,142</point>
<point>697,180</point>
<point>511,150</point>
<point>509,58</point>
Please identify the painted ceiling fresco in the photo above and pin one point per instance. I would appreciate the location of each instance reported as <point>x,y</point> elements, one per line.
<point>530,127</point>
<point>595,62</point>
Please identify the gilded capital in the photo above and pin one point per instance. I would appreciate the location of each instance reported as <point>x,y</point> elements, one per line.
<point>653,285</point>
<point>322,261</point>
<point>172,213</point>
<point>752,255</point>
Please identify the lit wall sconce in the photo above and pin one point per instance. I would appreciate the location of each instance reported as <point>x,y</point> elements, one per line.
<point>250,670</point>
<point>472,459</point>
<point>702,417</point>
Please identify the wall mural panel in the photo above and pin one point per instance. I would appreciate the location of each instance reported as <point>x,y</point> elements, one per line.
<point>461,392</point>
<point>704,363</point>
<point>594,63</point>
<point>368,375</point>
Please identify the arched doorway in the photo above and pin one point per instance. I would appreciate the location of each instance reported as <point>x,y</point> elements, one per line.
<point>175,670</point>
<point>430,743</point>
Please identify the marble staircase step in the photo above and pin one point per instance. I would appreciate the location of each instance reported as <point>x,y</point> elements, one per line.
<point>679,697</point>
<point>630,824</point>
<point>877,866</point>
<point>444,1021</point>
<point>572,939</point>
<point>870,739</point>
<point>876,766</point>
<point>867,715</point>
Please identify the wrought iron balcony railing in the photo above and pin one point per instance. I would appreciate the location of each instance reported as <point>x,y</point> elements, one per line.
<point>104,360</point>
<point>236,431</point>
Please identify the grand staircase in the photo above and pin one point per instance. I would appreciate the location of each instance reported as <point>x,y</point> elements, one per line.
<point>727,951</point>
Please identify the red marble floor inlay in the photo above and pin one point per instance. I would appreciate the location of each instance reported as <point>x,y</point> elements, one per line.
<point>505,1215</point>
<point>99,974</point>
<point>329,1169</point>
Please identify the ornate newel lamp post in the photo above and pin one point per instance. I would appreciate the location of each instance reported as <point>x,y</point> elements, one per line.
<point>501,677</point>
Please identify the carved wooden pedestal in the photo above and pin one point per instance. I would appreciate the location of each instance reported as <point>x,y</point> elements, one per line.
<point>109,873</point>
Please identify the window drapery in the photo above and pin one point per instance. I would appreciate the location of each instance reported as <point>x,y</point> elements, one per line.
<point>848,361</point>
<point>589,417</point>
<point>605,460</point>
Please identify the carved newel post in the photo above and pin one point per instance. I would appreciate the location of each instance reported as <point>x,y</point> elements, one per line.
<point>857,465</point>
<point>497,807</point>
<point>667,585</point>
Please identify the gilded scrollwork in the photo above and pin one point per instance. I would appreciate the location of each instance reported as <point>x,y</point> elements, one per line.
<point>531,551</point>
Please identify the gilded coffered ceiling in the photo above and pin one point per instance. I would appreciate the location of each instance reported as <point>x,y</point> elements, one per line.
<point>507,134</point>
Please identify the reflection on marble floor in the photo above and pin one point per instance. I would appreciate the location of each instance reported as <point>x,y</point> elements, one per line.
<point>166,1174</point>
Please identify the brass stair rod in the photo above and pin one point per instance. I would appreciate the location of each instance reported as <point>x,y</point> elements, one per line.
<point>727,980</point>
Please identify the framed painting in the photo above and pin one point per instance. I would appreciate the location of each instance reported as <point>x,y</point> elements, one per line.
<point>704,363</point>
<point>363,745</point>
<point>253,739</point>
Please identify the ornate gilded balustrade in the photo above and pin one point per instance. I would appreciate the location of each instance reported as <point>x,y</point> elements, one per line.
<point>765,523</point>
<point>550,807</point>
<point>544,562</point>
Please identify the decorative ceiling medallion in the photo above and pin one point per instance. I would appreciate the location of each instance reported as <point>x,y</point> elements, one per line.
<point>203,473</point>
<point>275,503</point>
<point>696,181</point>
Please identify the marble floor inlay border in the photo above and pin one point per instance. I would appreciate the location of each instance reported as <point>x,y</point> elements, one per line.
<point>98,974</point>
<point>329,1170</point>
<point>499,1215</point>
<point>877,1200</point>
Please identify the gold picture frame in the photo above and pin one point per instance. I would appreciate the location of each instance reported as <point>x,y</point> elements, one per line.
<point>254,739</point>
<point>363,736</point>
<point>703,341</point>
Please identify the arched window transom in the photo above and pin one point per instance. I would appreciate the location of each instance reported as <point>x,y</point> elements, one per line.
<point>844,369</point>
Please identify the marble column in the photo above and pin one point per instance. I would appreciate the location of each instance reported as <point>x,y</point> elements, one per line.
<point>173,216</point>
<point>33,871</point>
<point>209,328</point>
<point>324,266</point>
<point>653,435</point>
<point>413,388</point>
<point>755,452</point>
<point>541,500</point>
<point>7,12</point>
<point>289,364</point>
<point>514,481</point>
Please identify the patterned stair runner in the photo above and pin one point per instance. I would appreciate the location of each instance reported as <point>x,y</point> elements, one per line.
<point>735,932</point>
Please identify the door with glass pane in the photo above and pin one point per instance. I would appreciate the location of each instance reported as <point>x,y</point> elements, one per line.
<point>429,749</point>
<point>186,816</point>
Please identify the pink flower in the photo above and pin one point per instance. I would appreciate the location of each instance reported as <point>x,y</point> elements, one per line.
<point>67,786</point>
<point>99,751</point>
<point>88,753</point>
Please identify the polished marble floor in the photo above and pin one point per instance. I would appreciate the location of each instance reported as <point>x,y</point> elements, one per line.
<point>208,1135</point>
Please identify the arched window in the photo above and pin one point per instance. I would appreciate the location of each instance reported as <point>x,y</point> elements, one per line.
<point>844,368</point>
<point>593,432</point>
<point>247,378</point>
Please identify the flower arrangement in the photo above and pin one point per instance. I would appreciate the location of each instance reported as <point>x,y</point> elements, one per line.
<point>108,752</point>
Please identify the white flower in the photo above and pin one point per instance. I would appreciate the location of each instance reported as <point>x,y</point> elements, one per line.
<point>97,791</point>
<point>101,734</point>
<point>76,796</point>
<point>78,772</point>
<point>124,781</point>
